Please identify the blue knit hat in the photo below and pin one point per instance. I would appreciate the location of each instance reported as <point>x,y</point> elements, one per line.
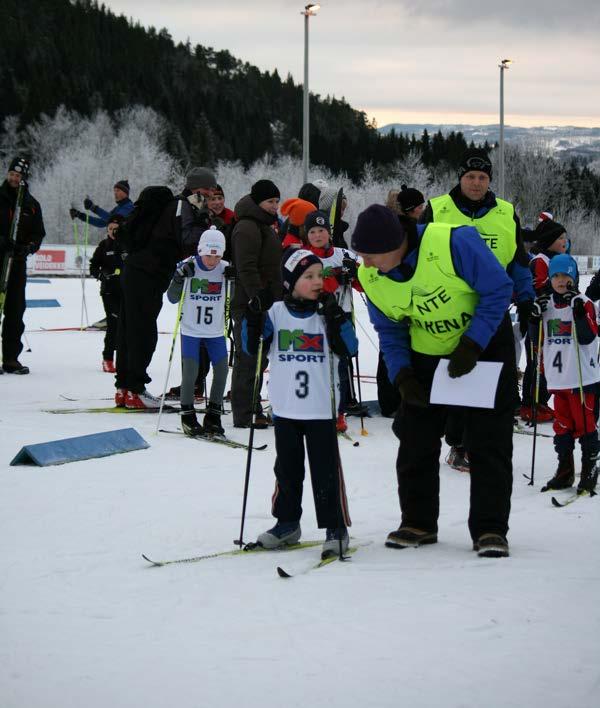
<point>294,262</point>
<point>563,264</point>
<point>378,230</point>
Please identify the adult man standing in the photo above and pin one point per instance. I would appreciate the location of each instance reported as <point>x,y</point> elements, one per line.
<point>27,240</point>
<point>472,203</point>
<point>192,208</point>
<point>257,260</point>
<point>436,291</point>
<point>123,208</point>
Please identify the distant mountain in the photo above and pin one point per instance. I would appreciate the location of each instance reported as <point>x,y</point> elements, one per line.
<point>565,141</point>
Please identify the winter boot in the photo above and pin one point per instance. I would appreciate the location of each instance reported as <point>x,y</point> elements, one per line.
<point>141,400</point>
<point>285,533</point>
<point>491,545</point>
<point>355,408</point>
<point>589,476</point>
<point>564,475</point>
<point>458,459</point>
<point>189,422</point>
<point>341,426</point>
<point>108,366</point>
<point>120,397</point>
<point>15,367</point>
<point>212,420</point>
<point>332,542</point>
<point>173,394</point>
<point>262,421</point>
<point>407,537</point>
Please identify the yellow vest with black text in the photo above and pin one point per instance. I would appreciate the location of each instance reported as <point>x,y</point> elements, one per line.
<point>439,303</point>
<point>497,228</point>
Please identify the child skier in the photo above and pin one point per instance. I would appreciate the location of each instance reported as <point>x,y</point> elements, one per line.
<point>300,332</point>
<point>105,266</point>
<point>339,277</point>
<point>202,324</point>
<point>570,352</point>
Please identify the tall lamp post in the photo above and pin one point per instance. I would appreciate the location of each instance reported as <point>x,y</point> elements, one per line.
<point>309,10</point>
<point>504,64</point>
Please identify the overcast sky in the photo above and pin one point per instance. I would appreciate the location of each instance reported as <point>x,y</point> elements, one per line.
<point>411,61</point>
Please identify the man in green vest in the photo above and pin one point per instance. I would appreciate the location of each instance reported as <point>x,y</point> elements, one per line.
<point>472,203</point>
<point>437,292</point>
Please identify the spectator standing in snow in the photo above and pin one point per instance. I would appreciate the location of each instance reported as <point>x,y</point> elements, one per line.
<point>101,220</point>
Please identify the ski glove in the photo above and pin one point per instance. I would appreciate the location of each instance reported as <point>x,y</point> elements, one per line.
<point>463,358</point>
<point>330,310</point>
<point>524,311</point>
<point>229,272</point>
<point>186,269</point>
<point>578,306</point>
<point>89,204</point>
<point>411,389</point>
<point>261,302</point>
<point>75,214</point>
<point>351,267</point>
<point>569,296</point>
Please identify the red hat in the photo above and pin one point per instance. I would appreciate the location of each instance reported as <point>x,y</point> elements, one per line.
<point>297,210</point>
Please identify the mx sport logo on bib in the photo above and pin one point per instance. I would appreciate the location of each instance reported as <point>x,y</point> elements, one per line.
<point>303,345</point>
<point>201,288</point>
<point>559,332</point>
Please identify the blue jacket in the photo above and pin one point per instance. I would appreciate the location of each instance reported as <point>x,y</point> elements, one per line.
<point>477,266</point>
<point>123,208</point>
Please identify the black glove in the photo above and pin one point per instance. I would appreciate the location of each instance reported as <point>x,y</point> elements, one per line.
<point>411,389</point>
<point>202,218</point>
<point>75,214</point>
<point>463,358</point>
<point>229,272</point>
<point>262,301</point>
<point>351,267</point>
<point>542,300</point>
<point>524,311</point>
<point>578,306</point>
<point>569,295</point>
<point>89,204</point>
<point>331,311</point>
<point>186,269</point>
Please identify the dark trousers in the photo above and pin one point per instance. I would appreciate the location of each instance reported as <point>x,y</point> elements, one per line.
<point>455,427</point>
<point>528,389</point>
<point>112,307</point>
<point>325,471</point>
<point>488,438</point>
<point>141,300</point>
<point>242,378</point>
<point>14,309</point>
<point>387,394</point>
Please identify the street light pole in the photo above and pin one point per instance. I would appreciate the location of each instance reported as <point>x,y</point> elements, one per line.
<point>307,12</point>
<point>504,64</point>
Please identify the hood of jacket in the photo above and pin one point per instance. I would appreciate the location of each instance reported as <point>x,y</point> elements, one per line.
<point>247,208</point>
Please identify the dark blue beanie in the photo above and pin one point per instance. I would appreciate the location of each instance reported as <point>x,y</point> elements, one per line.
<point>317,218</point>
<point>378,230</point>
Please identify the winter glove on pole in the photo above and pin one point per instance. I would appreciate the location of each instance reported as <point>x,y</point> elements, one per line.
<point>186,269</point>
<point>262,301</point>
<point>569,296</point>
<point>463,358</point>
<point>89,204</point>
<point>76,214</point>
<point>411,389</point>
<point>335,320</point>
<point>524,310</point>
<point>578,308</point>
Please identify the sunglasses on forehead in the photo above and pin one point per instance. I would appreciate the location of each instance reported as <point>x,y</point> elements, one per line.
<point>477,163</point>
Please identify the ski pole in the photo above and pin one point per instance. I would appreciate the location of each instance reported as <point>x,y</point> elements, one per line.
<point>175,330</point>
<point>536,398</point>
<point>363,430</point>
<point>255,391</point>
<point>337,451</point>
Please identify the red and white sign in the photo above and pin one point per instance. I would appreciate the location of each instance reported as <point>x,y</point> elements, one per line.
<point>49,260</point>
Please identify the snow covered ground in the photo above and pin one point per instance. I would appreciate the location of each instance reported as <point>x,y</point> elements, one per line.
<point>85,622</point>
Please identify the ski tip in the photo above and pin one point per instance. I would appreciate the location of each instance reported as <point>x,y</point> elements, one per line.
<point>156,563</point>
<point>261,447</point>
<point>555,502</point>
<point>355,444</point>
<point>282,573</point>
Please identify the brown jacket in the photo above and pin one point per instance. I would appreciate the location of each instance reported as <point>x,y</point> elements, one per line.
<point>256,253</point>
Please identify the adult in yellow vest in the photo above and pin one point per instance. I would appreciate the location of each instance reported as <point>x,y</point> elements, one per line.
<point>433,292</point>
<point>472,203</point>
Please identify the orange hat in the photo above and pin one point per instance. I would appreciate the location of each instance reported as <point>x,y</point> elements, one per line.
<point>296,210</point>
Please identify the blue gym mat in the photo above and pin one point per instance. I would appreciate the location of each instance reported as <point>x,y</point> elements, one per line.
<point>42,303</point>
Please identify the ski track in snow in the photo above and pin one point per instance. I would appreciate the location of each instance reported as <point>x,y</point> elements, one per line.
<point>85,621</point>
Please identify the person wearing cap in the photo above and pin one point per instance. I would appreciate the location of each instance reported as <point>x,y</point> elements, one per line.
<point>411,202</point>
<point>124,206</point>
<point>296,211</point>
<point>256,257</point>
<point>192,210</point>
<point>27,240</point>
<point>302,333</point>
<point>549,240</point>
<point>472,203</point>
<point>202,277</point>
<point>436,292</point>
<point>566,320</point>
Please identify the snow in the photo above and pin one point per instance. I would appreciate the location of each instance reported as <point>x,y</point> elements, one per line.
<point>84,621</point>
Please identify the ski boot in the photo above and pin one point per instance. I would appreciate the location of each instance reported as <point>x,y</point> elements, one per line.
<point>332,542</point>
<point>458,459</point>
<point>282,534</point>
<point>589,477</point>
<point>564,475</point>
<point>212,420</point>
<point>189,422</point>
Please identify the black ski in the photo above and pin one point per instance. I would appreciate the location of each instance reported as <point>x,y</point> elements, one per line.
<point>221,440</point>
<point>348,437</point>
<point>326,559</point>
<point>573,498</point>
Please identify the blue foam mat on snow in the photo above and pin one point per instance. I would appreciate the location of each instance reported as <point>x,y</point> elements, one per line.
<point>43,303</point>
<point>82,447</point>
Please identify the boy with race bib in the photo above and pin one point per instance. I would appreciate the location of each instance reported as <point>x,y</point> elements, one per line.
<point>570,353</point>
<point>202,325</point>
<point>300,332</point>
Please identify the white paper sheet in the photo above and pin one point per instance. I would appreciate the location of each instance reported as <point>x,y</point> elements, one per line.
<point>476,389</point>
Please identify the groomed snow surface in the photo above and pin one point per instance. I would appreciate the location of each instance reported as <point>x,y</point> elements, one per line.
<point>86,623</point>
